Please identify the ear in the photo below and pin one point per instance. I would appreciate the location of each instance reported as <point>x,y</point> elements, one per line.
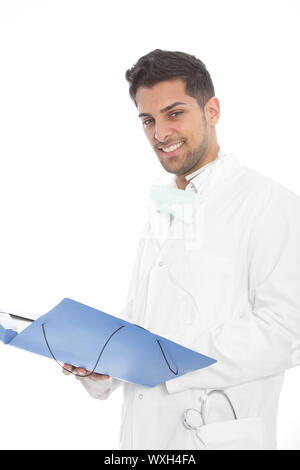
<point>212,111</point>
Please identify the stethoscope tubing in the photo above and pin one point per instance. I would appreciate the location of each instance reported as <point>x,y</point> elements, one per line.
<point>202,411</point>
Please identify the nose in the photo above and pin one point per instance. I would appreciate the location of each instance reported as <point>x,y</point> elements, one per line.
<point>162,131</point>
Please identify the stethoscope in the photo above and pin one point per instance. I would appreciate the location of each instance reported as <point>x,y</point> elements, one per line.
<point>194,419</point>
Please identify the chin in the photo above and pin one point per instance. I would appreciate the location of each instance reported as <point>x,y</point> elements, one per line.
<point>173,169</point>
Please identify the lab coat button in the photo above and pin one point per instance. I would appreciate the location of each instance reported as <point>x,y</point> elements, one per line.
<point>140,396</point>
<point>161,263</point>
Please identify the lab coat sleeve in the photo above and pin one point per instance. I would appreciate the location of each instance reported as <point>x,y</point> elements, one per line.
<point>263,339</point>
<point>102,389</point>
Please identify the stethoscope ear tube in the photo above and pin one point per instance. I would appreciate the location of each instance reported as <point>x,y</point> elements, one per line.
<point>205,399</point>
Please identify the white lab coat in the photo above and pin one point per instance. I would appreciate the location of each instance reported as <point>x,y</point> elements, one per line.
<point>233,293</point>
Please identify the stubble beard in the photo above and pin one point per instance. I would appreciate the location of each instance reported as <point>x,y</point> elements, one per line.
<point>193,159</point>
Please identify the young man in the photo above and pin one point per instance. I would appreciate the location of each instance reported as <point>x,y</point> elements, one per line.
<point>227,284</point>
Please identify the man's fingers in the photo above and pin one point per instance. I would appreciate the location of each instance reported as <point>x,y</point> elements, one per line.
<point>81,373</point>
<point>69,369</point>
<point>97,377</point>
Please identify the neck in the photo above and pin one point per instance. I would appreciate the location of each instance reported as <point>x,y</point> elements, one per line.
<point>181,180</point>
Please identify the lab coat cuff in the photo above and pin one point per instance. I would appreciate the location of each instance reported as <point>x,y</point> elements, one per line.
<point>97,389</point>
<point>173,386</point>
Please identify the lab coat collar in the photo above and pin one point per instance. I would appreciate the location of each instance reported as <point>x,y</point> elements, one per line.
<point>197,178</point>
<point>206,179</point>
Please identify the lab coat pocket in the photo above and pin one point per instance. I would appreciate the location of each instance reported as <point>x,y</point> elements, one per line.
<point>213,281</point>
<point>209,281</point>
<point>207,271</point>
<point>239,434</point>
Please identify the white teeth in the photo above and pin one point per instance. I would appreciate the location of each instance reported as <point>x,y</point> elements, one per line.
<point>172,147</point>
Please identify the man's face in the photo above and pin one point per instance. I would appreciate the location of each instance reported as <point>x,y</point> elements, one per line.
<point>175,126</point>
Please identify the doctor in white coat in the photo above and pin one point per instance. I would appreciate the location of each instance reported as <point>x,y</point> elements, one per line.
<point>217,270</point>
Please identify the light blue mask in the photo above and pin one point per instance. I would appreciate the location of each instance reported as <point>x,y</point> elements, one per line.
<point>174,201</point>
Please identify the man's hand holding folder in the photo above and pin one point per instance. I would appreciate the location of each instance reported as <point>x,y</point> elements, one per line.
<point>81,373</point>
<point>109,347</point>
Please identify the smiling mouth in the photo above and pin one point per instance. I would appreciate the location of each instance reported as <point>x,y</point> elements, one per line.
<point>171,148</point>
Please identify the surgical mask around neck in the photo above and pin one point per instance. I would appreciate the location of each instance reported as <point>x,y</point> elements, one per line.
<point>178,202</point>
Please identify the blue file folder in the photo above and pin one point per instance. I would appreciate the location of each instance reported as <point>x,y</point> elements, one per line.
<point>76,334</point>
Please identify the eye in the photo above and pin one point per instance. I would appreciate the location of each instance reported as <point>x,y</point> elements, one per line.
<point>147,122</point>
<point>176,113</point>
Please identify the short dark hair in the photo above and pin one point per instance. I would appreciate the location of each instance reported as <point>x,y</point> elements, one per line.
<point>159,65</point>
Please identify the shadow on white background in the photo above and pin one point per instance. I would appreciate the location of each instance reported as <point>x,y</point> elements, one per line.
<point>75,171</point>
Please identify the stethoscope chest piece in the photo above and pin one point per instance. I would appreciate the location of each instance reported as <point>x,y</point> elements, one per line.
<point>192,419</point>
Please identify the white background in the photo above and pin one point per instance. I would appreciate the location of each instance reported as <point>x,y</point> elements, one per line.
<point>75,170</point>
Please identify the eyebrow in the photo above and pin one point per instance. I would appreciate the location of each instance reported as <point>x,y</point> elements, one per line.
<point>167,108</point>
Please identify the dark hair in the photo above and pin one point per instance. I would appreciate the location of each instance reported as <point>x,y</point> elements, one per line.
<point>158,65</point>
